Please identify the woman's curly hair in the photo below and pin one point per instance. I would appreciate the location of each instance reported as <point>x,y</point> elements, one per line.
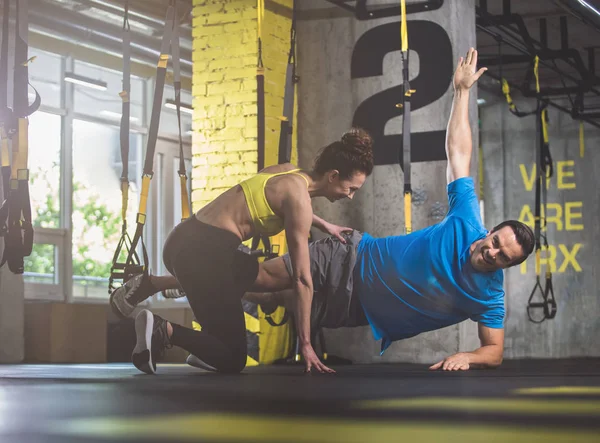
<point>352,153</point>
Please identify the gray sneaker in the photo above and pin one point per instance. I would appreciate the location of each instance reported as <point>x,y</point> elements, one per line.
<point>123,300</point>
<point>194,361</point>
<point>151,341</point>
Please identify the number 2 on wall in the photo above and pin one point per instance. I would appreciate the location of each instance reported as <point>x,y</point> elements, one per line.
<point>431,42</point>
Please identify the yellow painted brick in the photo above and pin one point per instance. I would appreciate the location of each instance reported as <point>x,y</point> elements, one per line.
<point>234,110</point>
<point>215,100</point>
<point>249,85</point>
<point>227,181</point>
<point>245,145</point>
<point>250,132</point>
<point>240,26</point>
<point>235,169</point>
<point>217,159</point>
<point>250,110</point>
<point>249,157</point>
<point>200,28</point>
<point>250,167</point>
<point>222,19</point>
<point>251,124</point>
<point>208,77</point>
<point>207,147</point>
<point>241,73</point>
<point>209,9</point>
<point>236,122</point>
<point>200,66</point>
<point>201,160</point>
<point>226,40</point>
<point>224,88</point>
<point>225,63</point>
<point>228,134</point>
<point>209,171</point>
<point>198,87</point>
<point>208,53</point>
<point>241,97</point>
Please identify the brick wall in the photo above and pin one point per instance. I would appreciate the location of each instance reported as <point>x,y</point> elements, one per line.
<point>224,92</point>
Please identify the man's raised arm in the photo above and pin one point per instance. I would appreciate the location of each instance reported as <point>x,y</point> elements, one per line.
<point>459,144</point>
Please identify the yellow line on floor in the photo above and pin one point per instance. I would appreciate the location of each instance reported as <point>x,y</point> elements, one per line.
<point>559,390</point>
<point>269,429</point>
<point>472,404</point>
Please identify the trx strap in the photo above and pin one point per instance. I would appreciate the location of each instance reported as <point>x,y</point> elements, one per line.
<point>260,87</point>
<point>17,207</point>
<point>506,89</point>
<point>124,271</point>
<point>287,119</point>
<point>406,122</point>
<point>185,201</point>
<point>544,171</point>
<point>285,145</point>
<point>161,71</point>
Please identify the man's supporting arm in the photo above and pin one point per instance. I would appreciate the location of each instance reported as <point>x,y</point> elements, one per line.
<point>489,355</point>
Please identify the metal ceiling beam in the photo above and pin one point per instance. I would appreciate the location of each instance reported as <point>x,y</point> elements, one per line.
<point>67,22</point>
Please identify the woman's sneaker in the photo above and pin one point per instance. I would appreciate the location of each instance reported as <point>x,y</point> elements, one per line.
<point>194,361</point>
<point>152,339</point>
<point>123,300</point>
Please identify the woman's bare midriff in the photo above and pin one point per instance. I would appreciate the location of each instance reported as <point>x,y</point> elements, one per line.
<point>229,211</point>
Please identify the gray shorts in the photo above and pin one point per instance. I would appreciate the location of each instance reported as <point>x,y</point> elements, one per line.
<point>332,269</point>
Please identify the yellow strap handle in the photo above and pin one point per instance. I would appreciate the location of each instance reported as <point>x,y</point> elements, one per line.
<point>185,202</point>
<point>581,140</point>
<point>403,27</point>
<point>141,218</point>
<point>261,16</point>
<point>163,60</point>
<point>536,72</point>
<point>5,148</point>
<point>124,199</point>
<point>407,213</point>
<point>545,125</point>
<point>506,92</point>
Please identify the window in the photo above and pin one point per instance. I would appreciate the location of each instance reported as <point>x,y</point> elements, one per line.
<point>107,104</point>
<point>96,213</point>
<point>45,77</point>
<point>43,266</point>
<point>44,169</point>
<point>168,116</point>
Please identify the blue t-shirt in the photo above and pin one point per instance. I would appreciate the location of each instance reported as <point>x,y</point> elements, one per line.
<point>423,281</point>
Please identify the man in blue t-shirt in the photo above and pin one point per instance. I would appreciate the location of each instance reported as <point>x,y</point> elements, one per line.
<point>438,276</point>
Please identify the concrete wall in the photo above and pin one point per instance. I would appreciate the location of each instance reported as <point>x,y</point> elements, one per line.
<point>573,206</point>
<point>350,71</point>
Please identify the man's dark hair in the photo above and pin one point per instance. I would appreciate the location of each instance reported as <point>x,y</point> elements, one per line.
<point>524,235</point>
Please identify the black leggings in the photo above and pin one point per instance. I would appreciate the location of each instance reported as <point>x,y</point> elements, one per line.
<point>214,274</point>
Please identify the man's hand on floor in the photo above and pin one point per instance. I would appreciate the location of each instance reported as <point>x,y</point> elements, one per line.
<point>456,362</point>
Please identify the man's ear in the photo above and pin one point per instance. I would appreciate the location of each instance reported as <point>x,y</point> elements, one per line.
<point>333,174</point>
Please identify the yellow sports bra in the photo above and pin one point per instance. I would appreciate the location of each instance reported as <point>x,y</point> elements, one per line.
<point>265,221</point>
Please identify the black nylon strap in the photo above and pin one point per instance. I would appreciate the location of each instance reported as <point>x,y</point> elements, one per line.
<point>19,238</point>
<point>161,72</point>
<point>544,171</point>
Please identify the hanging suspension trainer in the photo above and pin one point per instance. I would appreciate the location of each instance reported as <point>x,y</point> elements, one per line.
<point>17,207</point>
<point>147,174</point>
<point>123,271</point>
<point>544,172</point>
<point>405,105</point>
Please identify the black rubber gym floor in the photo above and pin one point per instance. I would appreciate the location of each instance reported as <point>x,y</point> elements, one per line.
<point>534,400</point>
